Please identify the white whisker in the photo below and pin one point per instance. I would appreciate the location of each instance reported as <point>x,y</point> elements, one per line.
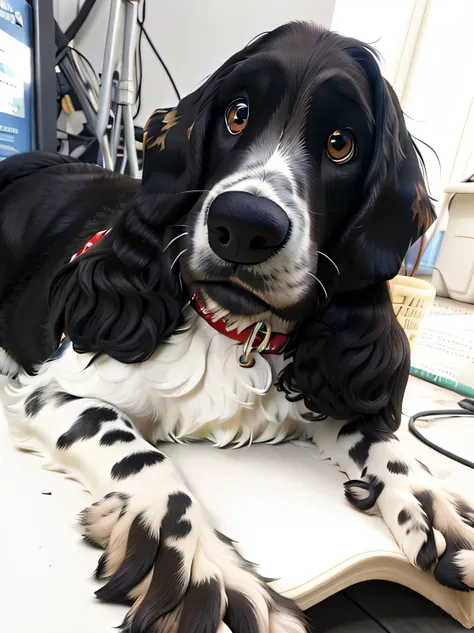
<point>332,262</point>
<point>174,240</point>
<point>176,259</point>
<point>320,283</point>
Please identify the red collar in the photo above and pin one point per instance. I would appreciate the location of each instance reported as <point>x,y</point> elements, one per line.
<point>254,336</point>
<point>275,345</point>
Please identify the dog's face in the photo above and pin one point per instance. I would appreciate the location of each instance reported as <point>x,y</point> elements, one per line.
<point>291,141</point>
<point>291,137</point>
<point>288,183</point>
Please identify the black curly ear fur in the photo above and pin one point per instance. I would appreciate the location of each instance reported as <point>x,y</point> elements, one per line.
<point>123,296</point>
<point>352,361</point>
<point>107,303</point>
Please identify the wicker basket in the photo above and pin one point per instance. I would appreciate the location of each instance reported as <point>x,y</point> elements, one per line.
<point>412,300</point>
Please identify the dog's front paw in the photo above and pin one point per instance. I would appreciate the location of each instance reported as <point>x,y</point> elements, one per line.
<point>433,526</point>
<point>177,572</point>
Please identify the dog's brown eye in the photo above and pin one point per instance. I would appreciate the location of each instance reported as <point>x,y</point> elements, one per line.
<point>340,147</point>
<point>237,116</point>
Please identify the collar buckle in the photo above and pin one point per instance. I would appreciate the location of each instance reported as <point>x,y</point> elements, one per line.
<point>261,330</point>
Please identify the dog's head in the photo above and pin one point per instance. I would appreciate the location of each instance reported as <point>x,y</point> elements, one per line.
<point>286,180</point>
<point>306,181</point>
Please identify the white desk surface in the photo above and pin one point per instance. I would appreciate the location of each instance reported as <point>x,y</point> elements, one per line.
<point>46,583</point>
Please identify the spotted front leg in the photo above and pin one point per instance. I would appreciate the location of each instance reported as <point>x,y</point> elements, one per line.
<point>162,555</point>
<point>432,525</point>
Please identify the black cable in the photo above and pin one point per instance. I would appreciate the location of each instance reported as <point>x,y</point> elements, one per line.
<point>467,408</point>
<point>165,68</point>
<point>84,58</point>
<point>141,24</point>
<point>79,136</point>
<point>79,20</point>
<point>139,65</point>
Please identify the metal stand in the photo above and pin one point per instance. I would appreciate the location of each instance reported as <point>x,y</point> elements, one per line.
<point>122,21</point>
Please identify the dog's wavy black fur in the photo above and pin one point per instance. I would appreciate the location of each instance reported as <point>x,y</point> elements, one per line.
<point>123,297</point>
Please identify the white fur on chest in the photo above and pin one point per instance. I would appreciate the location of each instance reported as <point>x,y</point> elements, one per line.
<point>191,388</point>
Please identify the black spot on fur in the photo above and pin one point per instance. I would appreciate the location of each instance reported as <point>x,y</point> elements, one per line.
<point>240,615</point>
<point>397,467</point>
<point>447,572</point>
<point>166,591</point>
<point>427,554</point>
<point>359,453</point>
<point>87,425</point>
<point>142,549</point>
<point>403,517</point>
<point>201,608</point>
<point>371,491</point>
<point>63,398</point>
<point>425,467</point>
<point>36,401</point>
<point>100,569</point>
<point>173,523</point>
<point>114,437</point>
<point>134,463</point>
<point>425,498</point>
<point>364,472</point>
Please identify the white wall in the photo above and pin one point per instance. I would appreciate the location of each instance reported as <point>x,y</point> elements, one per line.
<point>192,36</point>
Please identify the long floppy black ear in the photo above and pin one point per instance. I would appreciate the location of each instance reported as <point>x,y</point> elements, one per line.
<point>352,360</point>
<point>395,207</point>
<point>124,296</point>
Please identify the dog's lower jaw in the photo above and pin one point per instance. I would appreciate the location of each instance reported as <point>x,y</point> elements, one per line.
<point>234,298</point>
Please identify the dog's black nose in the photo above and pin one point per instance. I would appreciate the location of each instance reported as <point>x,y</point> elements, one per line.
<point>246,229</point>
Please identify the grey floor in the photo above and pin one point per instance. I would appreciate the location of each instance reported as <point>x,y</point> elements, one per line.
<point>377,607</point>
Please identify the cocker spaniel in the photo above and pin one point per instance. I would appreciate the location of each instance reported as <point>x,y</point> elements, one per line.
<point>240,295</point>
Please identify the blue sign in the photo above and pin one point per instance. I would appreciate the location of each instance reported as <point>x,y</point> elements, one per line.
<point>16,78</point>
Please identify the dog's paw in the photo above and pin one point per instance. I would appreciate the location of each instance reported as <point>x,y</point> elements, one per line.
<point>433,526</point>
<point>177,572</point>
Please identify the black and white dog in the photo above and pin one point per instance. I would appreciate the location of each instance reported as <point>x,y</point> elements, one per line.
<point>239,295</point>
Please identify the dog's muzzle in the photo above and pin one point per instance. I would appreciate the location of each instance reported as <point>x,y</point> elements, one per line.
<point>245,228</point>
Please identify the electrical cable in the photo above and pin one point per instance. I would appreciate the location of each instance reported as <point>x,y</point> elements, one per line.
<point>84,58</point>
<point>165,68</point>
<point>78,22</point>
<point>143,31</point>
<point>467,409</point>
<point>139,62</point>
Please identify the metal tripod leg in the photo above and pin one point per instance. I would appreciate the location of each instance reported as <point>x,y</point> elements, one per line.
<point>122,27</point>
<point>126,91</point>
